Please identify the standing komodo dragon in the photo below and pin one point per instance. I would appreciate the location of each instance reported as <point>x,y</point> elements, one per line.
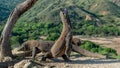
<point>63,46</point>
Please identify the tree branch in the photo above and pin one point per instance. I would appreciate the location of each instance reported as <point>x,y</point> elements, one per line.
<point>7,31</point>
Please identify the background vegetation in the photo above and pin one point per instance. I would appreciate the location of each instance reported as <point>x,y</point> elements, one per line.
<point>25,31</point>
<point>6,7</point>
<point>90,46</point>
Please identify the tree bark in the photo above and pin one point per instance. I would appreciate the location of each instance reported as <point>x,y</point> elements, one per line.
<point>7,31</point>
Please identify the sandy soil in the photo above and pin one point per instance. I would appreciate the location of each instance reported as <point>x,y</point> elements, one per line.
<point>86,62</point>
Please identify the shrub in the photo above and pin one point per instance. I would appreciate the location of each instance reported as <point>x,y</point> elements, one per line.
<point>88,45</point>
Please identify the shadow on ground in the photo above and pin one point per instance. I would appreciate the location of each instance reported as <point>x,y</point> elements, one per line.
<point>87,61</point>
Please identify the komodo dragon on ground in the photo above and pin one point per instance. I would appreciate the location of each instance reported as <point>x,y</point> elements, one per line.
<point>37,46</point>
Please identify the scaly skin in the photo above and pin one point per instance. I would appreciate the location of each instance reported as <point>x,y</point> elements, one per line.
<point>36,46</point>
<point>63,46</point>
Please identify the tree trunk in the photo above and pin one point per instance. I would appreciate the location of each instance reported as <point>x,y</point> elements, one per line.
<point>7,31</point>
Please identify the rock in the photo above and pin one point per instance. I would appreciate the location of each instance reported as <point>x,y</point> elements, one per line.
<point>20,53</point>
<point>10,67</point>
<point>7,59</point>
<point>4,59</point>
<point>28,65</point>
<point>21,64</point>
<point>47,67</point>
<point>36,67</point>
<point>66,66</point>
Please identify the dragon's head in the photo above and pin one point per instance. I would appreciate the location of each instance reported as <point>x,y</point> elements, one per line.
<point>64,16</point>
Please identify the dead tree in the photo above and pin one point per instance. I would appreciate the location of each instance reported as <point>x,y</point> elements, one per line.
<point>7,31</point>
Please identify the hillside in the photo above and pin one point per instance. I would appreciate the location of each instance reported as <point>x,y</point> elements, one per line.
<point>6,7</point>
<point>100,11</point>
<point>116,2</point>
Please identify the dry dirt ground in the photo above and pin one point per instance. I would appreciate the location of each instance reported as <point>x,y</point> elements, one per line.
<point>86,62</point>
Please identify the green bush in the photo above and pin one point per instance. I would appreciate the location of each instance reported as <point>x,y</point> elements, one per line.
<point>88,45</point>
<point>94,50</point>
<point>25,31</point>
<point>53,36</point>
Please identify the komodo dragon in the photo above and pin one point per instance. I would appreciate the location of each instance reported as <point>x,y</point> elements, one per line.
<point>63,45</point>
<point>77,41</point>
<point>45,46</point>
<point>36,46</point>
